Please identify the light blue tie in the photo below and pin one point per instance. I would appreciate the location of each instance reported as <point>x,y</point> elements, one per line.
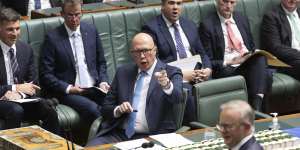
<point>179,44</point>
<point>135,102</point>
<point>295,24</point>
<point>80,61</point>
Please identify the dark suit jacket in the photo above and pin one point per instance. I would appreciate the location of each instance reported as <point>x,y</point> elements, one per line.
<point>27,70</point>
<point>57,65</point>
<point>159,31</point>
<point>213,38</point>
<point>160,117</point>
<point>251,144</point>
<point>21,6</point>
<point>276,35</point>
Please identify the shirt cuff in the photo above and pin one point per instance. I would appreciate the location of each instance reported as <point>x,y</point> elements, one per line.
<point>68,89</point>
<point>169,90</point>
<point>23,95</point>
<point>116,114</point>
<point>14,87</point>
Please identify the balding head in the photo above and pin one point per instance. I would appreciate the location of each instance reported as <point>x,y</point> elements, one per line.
<point>143,50</point>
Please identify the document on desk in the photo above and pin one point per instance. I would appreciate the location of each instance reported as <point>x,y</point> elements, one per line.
<point>26,100</point>
<point>186,63</point>
<point>171,139</point>
<point>136,145</point>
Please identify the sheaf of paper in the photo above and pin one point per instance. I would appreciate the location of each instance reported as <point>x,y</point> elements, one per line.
<point>136,144</point>
<point>25,100</point>
<point>171,140</point>
<point>186,63</point>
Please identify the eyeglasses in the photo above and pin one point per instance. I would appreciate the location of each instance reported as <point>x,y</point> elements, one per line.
<point>226,127</point>
<point>145,51</point>
<point>76,15</point>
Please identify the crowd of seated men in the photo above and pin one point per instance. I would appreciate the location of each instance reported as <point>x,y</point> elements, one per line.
<point>72,60</point>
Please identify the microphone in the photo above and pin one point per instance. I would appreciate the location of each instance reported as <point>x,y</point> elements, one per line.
<point>148,144</point>
<point>68,130</point>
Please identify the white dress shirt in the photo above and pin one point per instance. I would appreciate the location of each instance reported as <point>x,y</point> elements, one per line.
<point>44,4</point>
<point>295,42</point>
<point>9,74</point>
<point>242,142</point>
<point>230,54</point>
<point>184,39</point>
<point>80,49</point>
<point>141,125</point>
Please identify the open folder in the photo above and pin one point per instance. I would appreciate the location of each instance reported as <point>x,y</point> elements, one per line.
<point>187,63</point>
<point>271,59</point>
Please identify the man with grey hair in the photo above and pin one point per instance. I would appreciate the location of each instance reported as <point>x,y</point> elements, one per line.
<point>236,125</point>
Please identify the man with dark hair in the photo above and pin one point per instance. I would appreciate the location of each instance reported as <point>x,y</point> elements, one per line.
<point>280,35</point>
<point>17,78</point>
<point>236,125</point>
<point>177,38</point>
<point>72,61</point>
<point>142,96</point>
<point>227,38</point>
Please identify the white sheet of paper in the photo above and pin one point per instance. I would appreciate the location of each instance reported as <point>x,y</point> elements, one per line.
<point>25,100</point>
<point>171,139</point>
<point>186,63</point>
<point>136,144</point>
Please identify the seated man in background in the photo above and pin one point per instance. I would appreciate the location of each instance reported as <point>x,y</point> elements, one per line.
<point>227,38</point>
<point>142,96</point>
<point>24,7</point>
<point>177,38</point>
<point>72,61</point>
<point>236,125</point>
<point>17,78</point>
<point>280,35</point>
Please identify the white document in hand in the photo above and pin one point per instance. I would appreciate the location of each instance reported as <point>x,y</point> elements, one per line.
<point>186,63</point>
<point>136,144</point>
<point>26,100</point>
<point>171,140</point>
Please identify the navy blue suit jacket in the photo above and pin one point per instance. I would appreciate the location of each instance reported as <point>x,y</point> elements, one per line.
<point>159,31</point>
<point>213,38</point>
<point>251,144</point>
<point>27,70</point>
<point>159,115</point>
<point>57,65</point>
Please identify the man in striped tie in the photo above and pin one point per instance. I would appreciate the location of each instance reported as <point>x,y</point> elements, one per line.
<point>18,78</point>
<point>226,36</point>
<point>142,96</point>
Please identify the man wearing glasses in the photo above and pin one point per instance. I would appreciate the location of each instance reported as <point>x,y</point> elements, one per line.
<point>72,60</point>
<point>236,125</point>
<point>142,96</point>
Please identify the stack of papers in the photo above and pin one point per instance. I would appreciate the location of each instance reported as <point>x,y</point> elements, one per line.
<point>171,140</point>
<point>136,145</point>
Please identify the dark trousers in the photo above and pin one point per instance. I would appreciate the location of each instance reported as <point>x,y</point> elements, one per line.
<point>14,113</point>
<point>88,106</point>
<point>258,77</point>
<point>190,112</point>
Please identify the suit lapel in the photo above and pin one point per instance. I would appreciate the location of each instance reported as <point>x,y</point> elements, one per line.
<point>218,29</point>
<point>20,60</point>
<point>241,29</point>
<point>131,82</point>
<point>66,43</point>
<point>188,33</point>
<point>285,23</point>
<point>165,30</point>
<point>3,78</point>
<point>85,41</point>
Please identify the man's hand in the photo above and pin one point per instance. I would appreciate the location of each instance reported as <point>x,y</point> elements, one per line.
<point>163,79</point>
<point>11,95</point>
<point>238,59</point>
<point>201,75</point>
<point>104,86</point>
<point>76,90</point>
<point>27,88</point>
<point>125,107</point>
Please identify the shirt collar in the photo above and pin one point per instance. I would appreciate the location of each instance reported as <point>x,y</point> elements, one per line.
<point>150,71</point>
<point>222,19</point>
<point>242,142</point>
<point>169,24</point>
<point>70,32</point>
<point>5,48</point>
<point>288,12</point>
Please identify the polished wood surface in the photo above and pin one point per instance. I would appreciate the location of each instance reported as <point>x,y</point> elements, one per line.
<point>287,119</point>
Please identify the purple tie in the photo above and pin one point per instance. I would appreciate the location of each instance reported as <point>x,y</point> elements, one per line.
<point>179,45</point>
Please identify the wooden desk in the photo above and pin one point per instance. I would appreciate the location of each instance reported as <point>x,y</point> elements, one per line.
<point>286,122</point>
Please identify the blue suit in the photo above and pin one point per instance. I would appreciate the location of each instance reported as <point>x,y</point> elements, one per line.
<point>57,68</point>
<point>251,144</point>
<point>14,113</point>
<point>159,115</point>
<point>254,70</point>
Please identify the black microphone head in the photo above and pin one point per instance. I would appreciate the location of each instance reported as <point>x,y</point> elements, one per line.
<point>147,144</point>
<point>151,144</point>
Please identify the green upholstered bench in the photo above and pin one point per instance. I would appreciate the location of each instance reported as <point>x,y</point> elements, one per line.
<point>117,28</point>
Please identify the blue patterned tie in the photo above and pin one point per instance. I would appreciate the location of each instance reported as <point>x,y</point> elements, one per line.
<point>37,4</point>
<point>14,65</point>
<point>135,102</point>
<point>179,45</point>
